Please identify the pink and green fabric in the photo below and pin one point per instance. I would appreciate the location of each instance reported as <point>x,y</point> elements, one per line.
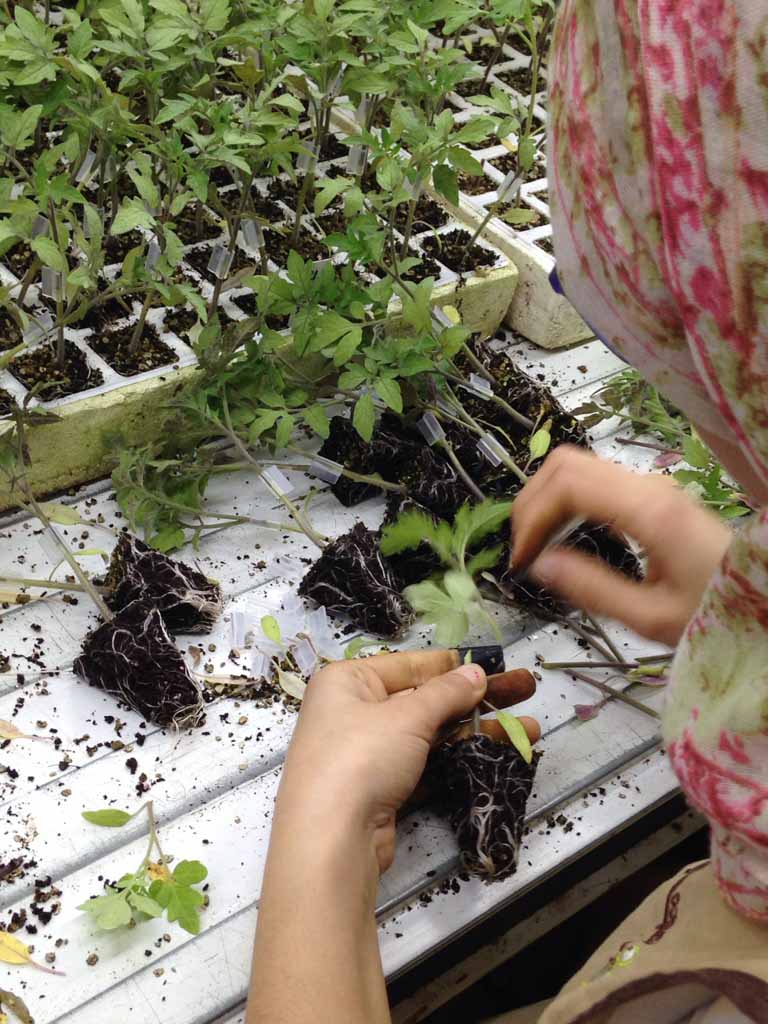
<point>658,156</point>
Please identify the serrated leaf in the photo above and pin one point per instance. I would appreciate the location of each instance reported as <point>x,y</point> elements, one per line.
<point>108,818</point>
<point>284,430</point>
<point>270,627</point>
<point>145,904</point>
<point>364,417</point>
<point>190,872</point>
<point>446,183</point>
<point>485,559</point>
<point>389,392</point>
<point>355,646</point>
<point>695,453</point>
<point>518,737</point>
<point>109,911</point>
<point>50,254</point>
<point>317,418</point>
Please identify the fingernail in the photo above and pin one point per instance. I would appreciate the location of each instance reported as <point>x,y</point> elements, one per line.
<point>474,674</point>
<point>545,567</point>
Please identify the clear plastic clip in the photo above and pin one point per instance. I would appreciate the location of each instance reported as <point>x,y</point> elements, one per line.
<point>361,114</point>
<point>261,665</point>
<point>430,428</point>
<point>52,283</point>
<point>325,470</point>
<point>479,385</point>
<point>238,625</point>
<point>39,328</point>
<point>153,254</point>
<point>86,167</point>
<point>510,184</point>
<point>356,159</point>
<point>306,158</point>
<point>305,656</point>
<point>253,236</point>
<point>277,481</point>
<point>220,261</point>
<point>491,449</point>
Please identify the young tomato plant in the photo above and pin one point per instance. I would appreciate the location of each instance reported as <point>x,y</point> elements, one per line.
<point>152,890</point>
<point>452,602</point>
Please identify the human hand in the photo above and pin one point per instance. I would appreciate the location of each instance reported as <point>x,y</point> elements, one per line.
<point>683,542</point>
<point>365,730</point>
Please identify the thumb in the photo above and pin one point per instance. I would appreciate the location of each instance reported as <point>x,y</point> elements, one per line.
<point>592,586</point>
<point>447,697</point>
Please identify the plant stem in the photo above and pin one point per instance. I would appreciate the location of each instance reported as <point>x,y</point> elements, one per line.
<point>616,694</point>
<point>21,581</point>
<point>135,342</point>
<point>455,462</point>
<point>597,628</point>
<point>89,588</point>
<point>60,341</point>
<point>495,56</point>
<point>624,666</point>
<point>647,444</point>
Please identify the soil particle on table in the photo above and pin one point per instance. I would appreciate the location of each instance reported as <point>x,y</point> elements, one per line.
<point>39,366</point>
<point>353,579</point>
<point>10,332</point>
<point>114,348</point>
<point>453,249</point>
<point>483,787</point>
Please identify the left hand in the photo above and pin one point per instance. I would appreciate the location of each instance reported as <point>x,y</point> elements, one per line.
<point>365,730</point>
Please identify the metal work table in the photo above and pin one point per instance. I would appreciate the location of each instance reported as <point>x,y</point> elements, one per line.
<point>213,788</point>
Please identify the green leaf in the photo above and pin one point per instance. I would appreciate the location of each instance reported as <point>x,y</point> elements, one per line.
<point>109,911</point>
<point>463,160</point>
<point>50,254</point>
<point>540,442</point>
<point>270,627</point>
<point>389,392</point>
<point>144,904</point>
<point>132,214</point>
<point>446,183</point>
<point>64,515</point>
<point>347,346</point>
<point>472,523</point>
<point>409,530</point>
<point>460,587</point>
<point>389,174</point>
<point>695,453</point>
<point>474,130</point>
<point>355,646</point>
<point>513,727</point>
<point>109,818</point>
<point>519,216</point>
<point>364,417</point>
<point>284,430</point>
<point>190,872</point>
<point>317,418</point>
<point>526,153</point>
<point>485,559</point>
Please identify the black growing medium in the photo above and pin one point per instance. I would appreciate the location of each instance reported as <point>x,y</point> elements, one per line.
<point>352,578</point>
<point>483,791</point>
<point>187,600</point>
<point>133,658</point>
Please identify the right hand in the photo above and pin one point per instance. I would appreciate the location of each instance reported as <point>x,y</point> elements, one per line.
<point>683,542</point>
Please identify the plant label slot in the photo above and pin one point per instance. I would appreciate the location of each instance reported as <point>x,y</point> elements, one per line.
<point>333,89</point>
<point>325,470</point>
<point>220,261</point>
<point>430,428</point>
<point>509,185</point>
<point>153,254</point>
<point>491,449</point>
<point>52,283</point>
<point>261,665</point>
<point>50,542</point>
<point>361,114</point>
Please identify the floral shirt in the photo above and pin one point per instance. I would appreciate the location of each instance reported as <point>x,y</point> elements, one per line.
<point>658,156</point>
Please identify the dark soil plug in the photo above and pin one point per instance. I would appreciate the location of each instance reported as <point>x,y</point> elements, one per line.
<point>114,348</point>
<point>39,366</point>
<point>409,566</point>
<point>10,332</point>
<point>187,600</point>
<point>453,249</point>
<point>483,788</point>
<point>490,658</point>
<point>434,483</point>
<point>134,659</point>
<point>352,578</point>
<point>6,402</point>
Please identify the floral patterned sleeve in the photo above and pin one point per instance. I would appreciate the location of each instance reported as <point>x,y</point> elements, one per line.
<point>658,154</point>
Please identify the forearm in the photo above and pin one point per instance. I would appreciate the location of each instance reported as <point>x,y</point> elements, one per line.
<point>316,956</point>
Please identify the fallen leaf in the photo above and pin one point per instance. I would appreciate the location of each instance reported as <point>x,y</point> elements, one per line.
<point>16,1006</point>
<point>13,951</point>
<point>586,712</point>
<point>8,731</point>
<point>292,684</point>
